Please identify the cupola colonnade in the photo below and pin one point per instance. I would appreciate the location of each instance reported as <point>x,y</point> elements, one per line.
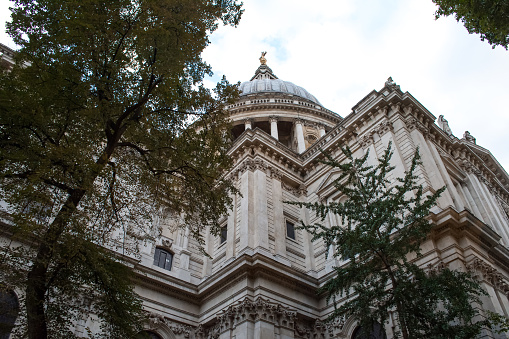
<point>296,133</point>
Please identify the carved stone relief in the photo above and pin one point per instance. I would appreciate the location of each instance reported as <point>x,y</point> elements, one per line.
<point>412,123</point>
<point>382,128</point>
<point>490,274</point>
<point>252,311</point>
<point>301,190</point>
<point>157,322</point>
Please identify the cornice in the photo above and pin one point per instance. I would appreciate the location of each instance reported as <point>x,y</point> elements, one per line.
<point>464,221</point>
<point>177,288</point>
<point>283,103</point>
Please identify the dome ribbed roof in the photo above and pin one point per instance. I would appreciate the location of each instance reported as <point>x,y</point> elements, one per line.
<point>264,81</point>
<point>275,86</point>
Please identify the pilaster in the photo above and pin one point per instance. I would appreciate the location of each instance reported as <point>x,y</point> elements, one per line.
<point>261,222</point>
<point>246,211</point>
<point>432,171</point>
<point>279,220</point>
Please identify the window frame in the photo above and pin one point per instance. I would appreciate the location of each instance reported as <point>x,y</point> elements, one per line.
<point>157,258</point>
<point>294,231</point>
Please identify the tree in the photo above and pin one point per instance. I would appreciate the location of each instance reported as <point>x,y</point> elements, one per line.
<point>104,125</point>
<point>383,222</point>
<point>489,18</point>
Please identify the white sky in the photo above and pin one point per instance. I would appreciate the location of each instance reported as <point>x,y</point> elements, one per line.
<point>340,50</point>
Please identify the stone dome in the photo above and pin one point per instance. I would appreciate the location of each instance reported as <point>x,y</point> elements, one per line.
<point>265,81</point>
<point>275,86</point>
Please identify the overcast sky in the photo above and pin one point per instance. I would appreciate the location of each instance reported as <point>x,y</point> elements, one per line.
<point>340,50</point>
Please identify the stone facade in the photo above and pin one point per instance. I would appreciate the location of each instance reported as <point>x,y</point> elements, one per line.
<point>261,279</point>
<point>260,282</point>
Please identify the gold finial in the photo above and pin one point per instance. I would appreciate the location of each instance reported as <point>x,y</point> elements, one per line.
<point>263,61</point>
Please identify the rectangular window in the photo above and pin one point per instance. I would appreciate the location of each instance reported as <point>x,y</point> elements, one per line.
<point>224,234</point>
<point>290,230</point>
<point>163,258</point>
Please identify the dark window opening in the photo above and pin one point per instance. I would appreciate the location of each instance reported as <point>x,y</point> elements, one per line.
<point>9,309</point>
<point>147,335</point>
<point>224,234</point>
<point>163,258</point>
<point>290,230</point>
<point>377,332</point>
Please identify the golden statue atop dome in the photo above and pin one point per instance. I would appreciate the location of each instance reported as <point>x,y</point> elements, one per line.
<point>263,61</point>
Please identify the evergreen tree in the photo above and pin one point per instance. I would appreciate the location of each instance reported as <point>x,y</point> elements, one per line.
<point>383,223</point>
<point>104,125</point>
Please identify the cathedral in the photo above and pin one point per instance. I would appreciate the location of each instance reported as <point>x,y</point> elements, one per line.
<point>263,273</point>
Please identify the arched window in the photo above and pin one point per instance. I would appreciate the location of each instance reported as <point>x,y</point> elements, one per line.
<point>148,335</point>
<point>163,258</point>
<point>9,308</point>
<point>377,332</point>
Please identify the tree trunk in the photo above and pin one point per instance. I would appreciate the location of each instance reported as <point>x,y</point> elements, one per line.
<point>37,277</point>
<point>399,306</point>
<point>36,281</point>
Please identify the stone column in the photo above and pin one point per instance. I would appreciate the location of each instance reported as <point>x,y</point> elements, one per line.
<point>273,127</point>
<point>299,132</point>
<point>321,130</point>
<point>247,124</point>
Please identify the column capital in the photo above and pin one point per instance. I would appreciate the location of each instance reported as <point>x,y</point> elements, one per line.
<point>273,118</point>
<point>298,121</point>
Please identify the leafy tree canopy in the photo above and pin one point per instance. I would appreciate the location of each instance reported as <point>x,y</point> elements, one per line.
<point>489,18</point>
<point>383,223</point>
<point>104,125</point>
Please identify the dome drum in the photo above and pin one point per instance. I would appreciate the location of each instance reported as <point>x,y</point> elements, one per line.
<point>287,112</point>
